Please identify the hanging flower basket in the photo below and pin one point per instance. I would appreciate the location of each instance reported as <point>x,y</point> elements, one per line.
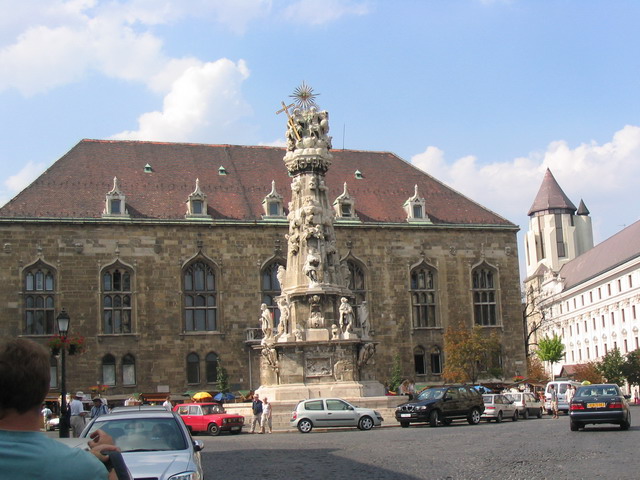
<point>55,344</point>
<point>75,345</point>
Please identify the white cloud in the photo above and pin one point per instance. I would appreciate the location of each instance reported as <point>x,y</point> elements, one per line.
<point>319,12</point>
<point>605,176</point>
<point>206,96</point>
<point>18,182</point>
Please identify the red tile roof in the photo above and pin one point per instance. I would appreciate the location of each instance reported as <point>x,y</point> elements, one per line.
<point>75,186</point>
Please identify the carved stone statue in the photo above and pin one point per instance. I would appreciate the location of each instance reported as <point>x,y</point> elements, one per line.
<point>285,314</point>
<point>310,268</point>
<point>271,357</point>
<point>366,352</point>
<point>335,332</point>
<point>346,316</point>
<point>281,276</point>
<point>364,320</point>
<point>266,323</point>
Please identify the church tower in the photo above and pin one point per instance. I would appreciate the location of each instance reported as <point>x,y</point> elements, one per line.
<point>558,232</point>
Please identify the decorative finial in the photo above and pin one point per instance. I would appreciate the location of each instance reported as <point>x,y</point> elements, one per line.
<point>304,96</point>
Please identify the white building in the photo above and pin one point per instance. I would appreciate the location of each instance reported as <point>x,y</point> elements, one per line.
<point>586,295</point>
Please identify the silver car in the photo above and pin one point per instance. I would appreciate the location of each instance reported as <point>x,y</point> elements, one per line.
<point>154,442</point>
<point>498,407</point>
<point>332,412</point>
<point>528,404</point>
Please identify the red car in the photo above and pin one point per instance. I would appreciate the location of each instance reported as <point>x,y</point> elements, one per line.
<point>209,417</point>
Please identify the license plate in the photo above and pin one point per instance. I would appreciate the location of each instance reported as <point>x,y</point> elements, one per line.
<point>595,405</point>
<point>405,415</point>
<point>235,428</point>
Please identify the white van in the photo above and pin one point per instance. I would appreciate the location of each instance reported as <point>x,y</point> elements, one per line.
<point>561,389</point>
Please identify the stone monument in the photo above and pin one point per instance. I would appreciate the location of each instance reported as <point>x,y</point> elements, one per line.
<point>315,350</point>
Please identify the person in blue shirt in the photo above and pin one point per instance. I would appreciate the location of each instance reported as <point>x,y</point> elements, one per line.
<point>25,452</point>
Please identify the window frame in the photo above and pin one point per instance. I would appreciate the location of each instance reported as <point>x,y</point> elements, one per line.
<point>424,297</point>
<point>196,300</point>
<point>116,300</point>
<point>485,298</point>
<point>39,282</point>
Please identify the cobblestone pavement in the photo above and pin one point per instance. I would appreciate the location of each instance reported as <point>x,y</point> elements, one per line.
<point>527,449</point>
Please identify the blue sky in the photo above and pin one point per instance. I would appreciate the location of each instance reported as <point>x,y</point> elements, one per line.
<point>482,94</point>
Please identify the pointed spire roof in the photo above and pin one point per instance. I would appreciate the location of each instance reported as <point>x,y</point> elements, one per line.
<point>551,197</point>
<point>582,209</point>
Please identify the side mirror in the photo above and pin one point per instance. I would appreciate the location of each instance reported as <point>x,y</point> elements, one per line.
<point>628,397</point>
<point>198,445</point>
<point>349,407</point>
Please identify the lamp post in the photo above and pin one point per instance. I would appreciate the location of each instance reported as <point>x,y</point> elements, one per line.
<point>63,328</point>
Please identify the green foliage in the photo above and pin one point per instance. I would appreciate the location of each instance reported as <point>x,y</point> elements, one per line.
<point>631,367</point>
<point>550,349</point>
<point>469,352</point>
<point>396,374</point>
<point>222,378</point>
<point>611,367</point>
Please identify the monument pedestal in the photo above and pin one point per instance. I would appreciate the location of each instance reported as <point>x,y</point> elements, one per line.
<point>303,391</point>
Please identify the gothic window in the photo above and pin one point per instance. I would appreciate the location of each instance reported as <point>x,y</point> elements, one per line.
<point>358,287</point>
<point>415,207</point>
<point>211,365</point>
<point>344,206</point>
<point>193,368</point>
<point>271,289</point>
<point>419,360</point>
<point>39,300</point>
<point>484,296</point>
<point>109,370</point>
<point>197,203</point>
<point>53,371</point>
<point>116,300</point>
<point>128,370</point>
<point>200,298</point>
<point>423,297</point>
<point>272,204</point>
<point>115,203</point>
<point>436,361</point>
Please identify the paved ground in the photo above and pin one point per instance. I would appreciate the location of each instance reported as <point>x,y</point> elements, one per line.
<point>531,449</point>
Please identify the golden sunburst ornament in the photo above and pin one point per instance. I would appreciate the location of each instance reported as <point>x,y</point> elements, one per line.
<point>304,96</point>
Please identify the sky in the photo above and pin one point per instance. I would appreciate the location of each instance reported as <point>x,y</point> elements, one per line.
<point>484,95</point>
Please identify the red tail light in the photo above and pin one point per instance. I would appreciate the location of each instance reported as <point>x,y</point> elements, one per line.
<point>615,405</point>
<point>576,406</point>
<point>489,408</point>
<point>294,415</point>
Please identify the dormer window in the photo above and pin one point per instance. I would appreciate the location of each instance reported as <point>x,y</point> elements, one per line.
<point>115,204</point>
<point>272,204</point>
<point>197,203</point>
<point>415,208</point>
<point>344,206</point>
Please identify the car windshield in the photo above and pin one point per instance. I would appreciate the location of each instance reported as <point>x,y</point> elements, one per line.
<point>487,398</point>
<point>514,397</point>
<point>432,394</point>
<point>209,409</point>
<point>597,390</point>
<point>142,434</point>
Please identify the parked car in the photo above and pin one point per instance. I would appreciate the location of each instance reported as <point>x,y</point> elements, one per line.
<point>528,404</point>
<point>53,423</point>
<point>441,405</point>
<point>561,387</point>
<point>209,417</point>
<point>332,412</point>
<point>599,403</point>
<point>154,443</point>
<point>498,407</point>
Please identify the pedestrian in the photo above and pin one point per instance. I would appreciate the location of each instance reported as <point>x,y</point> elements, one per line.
<point>77,414</point>
<point>25,452</point>
<point>266,416</point>
<point>167,403</point>
<point>554,401</point>
<point>411,389</point>
<point>571,391</point>
<point>98,408</point>
<point>46,415</point>
<point>256,408</point>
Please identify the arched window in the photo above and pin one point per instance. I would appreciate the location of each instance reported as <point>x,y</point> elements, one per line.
<point>423,297</point>
<point>193,368</point>
<point>116,300</point>
<point>484,296</point>
<point>271,289</point>
<point>53,371</point>
<point>128,370</point>
<point>419,361</point>
<point>39,300</point>
<point>211,365</point>
<point>436,360</point>
<point>200,298</point>
<point>109,370</point>
<point>358,287</point>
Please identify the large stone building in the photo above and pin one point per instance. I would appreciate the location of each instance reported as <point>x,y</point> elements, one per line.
<point>586,295</point>
<point>163,268</point>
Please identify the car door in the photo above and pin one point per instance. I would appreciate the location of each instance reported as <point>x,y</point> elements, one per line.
<point>197,419</point>
<point>452,403</point>
<point>340,413</point>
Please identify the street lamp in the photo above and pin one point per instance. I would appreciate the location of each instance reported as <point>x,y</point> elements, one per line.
<point>63,328</point>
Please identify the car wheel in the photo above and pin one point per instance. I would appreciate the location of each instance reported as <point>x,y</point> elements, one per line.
<point>213,429</point>
<point>404,424</point>
<point>305,426</point>
<point>515,417</point>
<point>574,426</point>
<point>499,417</point>
<point>365,423</point>
<point>539,415</point>
<point>474,417</point>
<point>434,418</point>
<point>626,424</point>
<point>525,415</point>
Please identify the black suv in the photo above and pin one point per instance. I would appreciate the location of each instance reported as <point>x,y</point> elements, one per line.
<point>440,405</point>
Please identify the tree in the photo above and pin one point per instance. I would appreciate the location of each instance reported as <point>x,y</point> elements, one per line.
<point>536,370</point>
<point>534,317</point>
<point>396,374</point>
<point>550,350</point>
<point>468,353</point>
<point>588,371</point>
<point>631,367</point>
<point>611,367</point>
<point>222,378</point>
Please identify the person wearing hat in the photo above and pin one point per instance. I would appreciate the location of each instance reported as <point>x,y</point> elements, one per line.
<point>99,408</point>
<point>77,414</point>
